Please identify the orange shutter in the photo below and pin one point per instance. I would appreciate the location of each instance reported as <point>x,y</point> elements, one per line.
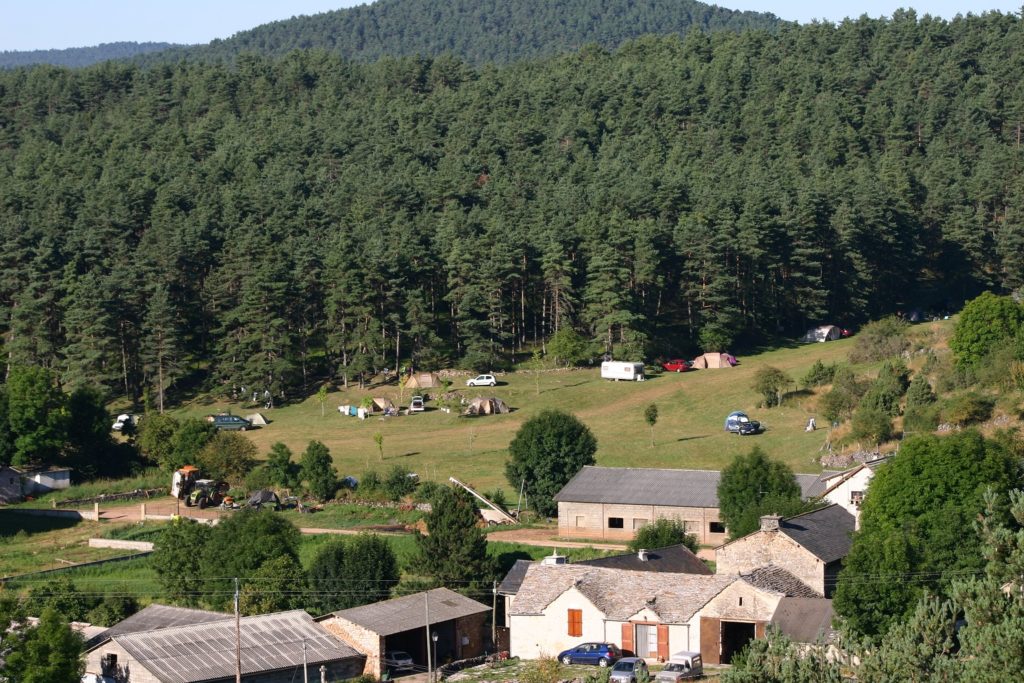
<point>576,622</point>
<point>710,640</point>
<point>662,642</point>
<point>627,638</point>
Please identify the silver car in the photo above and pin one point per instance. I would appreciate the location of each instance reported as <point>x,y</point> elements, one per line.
<point>682,666</point>
<point>628,670</point>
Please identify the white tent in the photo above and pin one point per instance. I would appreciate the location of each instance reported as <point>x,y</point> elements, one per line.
<point>257,419</point>
<point>823,333</point>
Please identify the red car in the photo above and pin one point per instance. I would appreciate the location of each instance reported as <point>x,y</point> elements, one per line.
<point>676,365</point>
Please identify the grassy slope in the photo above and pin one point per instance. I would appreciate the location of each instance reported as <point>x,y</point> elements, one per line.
<point>692,407</point>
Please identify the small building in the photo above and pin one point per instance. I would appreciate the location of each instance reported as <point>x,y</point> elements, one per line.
<point>38,481</point>
<point>273,650</point>
<point>810,546</point>
<point>10,485</point>
<point>404,624</point>
<point>614,502</point>
<point>153,618</point>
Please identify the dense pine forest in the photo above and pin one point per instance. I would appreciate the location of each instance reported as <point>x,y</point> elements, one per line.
<point>275,220</point>
<point>79,56</point>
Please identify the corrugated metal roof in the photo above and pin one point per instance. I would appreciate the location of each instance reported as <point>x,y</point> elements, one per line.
<point>389,617</point>
<point>204,652</point>
<point>827,532</point>
<point>618,593</point>
<point>155,617</point>
<point>650,486</point>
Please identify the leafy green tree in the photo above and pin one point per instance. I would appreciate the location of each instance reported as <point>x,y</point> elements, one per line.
<point>567,347</point>
<point>37,414</point>
<point>358,571</point>
<point>872,425</point>
<point>880,339</point>
<point>662,533</point>
<point>156,440</point>
<point>229,456</point>
<point>113,609</point>
<point>318,471</point>
<point>162,343</point>
<point>190,438</point>
<point>49,652</point>
<point>771,382</point>
<point>985,322</point>
<point>819,374</point>
<point>651,418</point>
<point>920,413</point>
<point>840,402</point>
<point>888,389</point>
<point>912,524</point>
<point>6,436</point>
<point>777,659</point>
<point>753,485</point>
<point>177,560</point>
<point>283,472</point>
<point>455,551</point>
<point>267,536</point>
<point>278,584</point>
<point>89,448</point>
<point>63,596</point>
<point>547,451</point>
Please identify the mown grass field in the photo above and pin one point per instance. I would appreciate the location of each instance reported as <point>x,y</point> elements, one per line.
<point>692,407</point>
<point>29,543</point>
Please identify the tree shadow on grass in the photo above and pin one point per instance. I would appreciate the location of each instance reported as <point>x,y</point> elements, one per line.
<point>691,438</point>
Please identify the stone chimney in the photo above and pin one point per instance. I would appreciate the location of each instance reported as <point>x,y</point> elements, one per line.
<point>642,554</point>
<point>770,522</point>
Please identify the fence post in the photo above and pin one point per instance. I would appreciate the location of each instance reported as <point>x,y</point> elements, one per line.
<point>96,511</point>
<point>142,513</point>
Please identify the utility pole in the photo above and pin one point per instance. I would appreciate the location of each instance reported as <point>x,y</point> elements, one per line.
<point>494,615</point>
<point>238,638</point>
<point>305,669</point>
<point>426,631</point>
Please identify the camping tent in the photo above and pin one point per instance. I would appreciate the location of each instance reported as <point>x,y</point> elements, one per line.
<point>382,405</point>
<point>423,380</point>
<point>264,498</point>
<point>823,334</point>
<point>486,406</point>
<point>257,419</point>
<point>714,360</point>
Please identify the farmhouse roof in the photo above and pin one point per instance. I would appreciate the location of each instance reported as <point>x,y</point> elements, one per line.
<point>618,593</point>
<point>676,559</point>
<point>389,617</point>
<point>155,617</point>
<point>826,533</point>
<point>203,652</point>
<point>778,580</point>
<point>514,579</point>
<point>805,620</point>
<point>651,486</point>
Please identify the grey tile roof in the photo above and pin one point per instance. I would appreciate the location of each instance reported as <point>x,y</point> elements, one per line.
<point>408,612</point>
<point>676,559</point>
<point>825,532</point>
<point>778,580</point>
<point>618,593</point>
<point>158,616</point>
<point>204,652</point>
<point>805,620</point>
<point>510,584</point>
<point>650,486</point>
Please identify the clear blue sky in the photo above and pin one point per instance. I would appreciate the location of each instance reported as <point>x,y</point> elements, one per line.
<point>45,24</point>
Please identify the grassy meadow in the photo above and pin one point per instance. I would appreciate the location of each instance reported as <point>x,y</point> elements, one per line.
<point>692,407</point>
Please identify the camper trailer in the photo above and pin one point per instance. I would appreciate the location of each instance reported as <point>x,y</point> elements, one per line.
<point>616,370</point>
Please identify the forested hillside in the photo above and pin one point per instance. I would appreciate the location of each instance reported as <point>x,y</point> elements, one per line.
<point>272,221</point>
<point>79,56</point>
<point>477,31</point>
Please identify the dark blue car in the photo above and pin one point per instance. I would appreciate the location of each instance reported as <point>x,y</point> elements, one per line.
<point>602,654</point>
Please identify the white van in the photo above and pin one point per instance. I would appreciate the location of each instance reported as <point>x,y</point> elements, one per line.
<point>616,370</point>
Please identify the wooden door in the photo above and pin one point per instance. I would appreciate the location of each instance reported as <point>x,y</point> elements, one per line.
<point>627,637</point>
<point>662,642</point>
<point>710,640</point>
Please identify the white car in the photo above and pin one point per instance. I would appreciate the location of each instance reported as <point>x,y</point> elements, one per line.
<point>482,381</point>
<point>416,404</point>
<point>123,420</point>
<point>398,660</point>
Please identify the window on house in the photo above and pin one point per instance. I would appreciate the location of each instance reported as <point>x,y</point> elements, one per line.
<point>576,623</point>
<point>639,523</point>
<point>856,498</point>
<point>741,601</point>
<point>581,520</point>
<point>615,523</point>
<point>716,528</point>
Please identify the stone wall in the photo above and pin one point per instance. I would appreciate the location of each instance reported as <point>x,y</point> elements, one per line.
<point>362,639</point>
<point>763,548</point>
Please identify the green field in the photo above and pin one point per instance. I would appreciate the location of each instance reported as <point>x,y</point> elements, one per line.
<point>29,543</point>
<point>692,407</point>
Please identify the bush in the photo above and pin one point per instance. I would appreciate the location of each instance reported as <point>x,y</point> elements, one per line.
<point>370,482</point>
<point>985,322</point>
<point>966,409</point>
<point>426,491</point>
<point>819,374</point>
<point>888,388</point>
<point>839,403</point>
<point>662,533</point>
<point>770,383</point>
<point>880,339</point>
<point>568,348</point>
<point>398,484</point>
<point>872,425</point>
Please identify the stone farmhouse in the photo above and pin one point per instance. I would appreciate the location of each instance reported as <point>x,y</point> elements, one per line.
<point>810,546</point>
<point>612,503</point>
<point>848,488</point>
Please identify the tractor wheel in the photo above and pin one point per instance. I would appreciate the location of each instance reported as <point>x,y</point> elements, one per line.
<point>188,502</point>
<point>202,503</point>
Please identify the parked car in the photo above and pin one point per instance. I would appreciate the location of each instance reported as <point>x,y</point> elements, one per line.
<point>482,381</point>
<point>739,423</point>
<point>682,666</point>
<point>601,654</point>
<point>416,404</point>
<point>231,422</point>
<point>676,365</point>
<point>629,670</point>
<point>123,420</point>
<point>398,660</point>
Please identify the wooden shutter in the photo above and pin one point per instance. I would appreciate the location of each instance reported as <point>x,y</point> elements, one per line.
<point>710,640</point>
<point>576,622</point>
<point>662,642</point>
<point>759,629</point>
<point>627,638</point>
